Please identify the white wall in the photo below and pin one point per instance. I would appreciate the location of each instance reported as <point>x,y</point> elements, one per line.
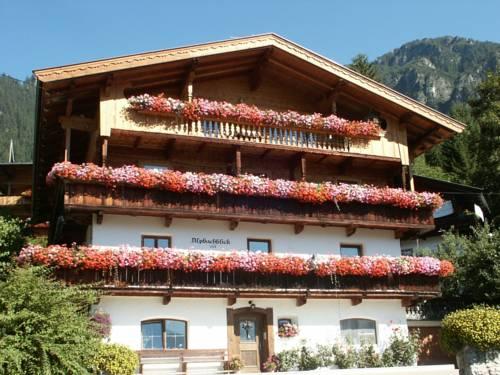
<point>118,230</point>
<point>318,320</point>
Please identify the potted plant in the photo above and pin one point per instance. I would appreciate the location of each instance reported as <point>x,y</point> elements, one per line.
<point>271,364</point>
<point>235,365</point>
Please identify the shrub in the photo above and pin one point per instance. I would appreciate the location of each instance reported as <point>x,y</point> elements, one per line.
<point>345,356</point>
<point>402,351</point>
<point>44,325</point>
<point>478,327</point>
<point>12,231</point>
<point>115,359</point>
<point>307,359</point>
<point>288,360</point>
<point>368,357</point>
<point>325,355</point>
<point>271,364</point>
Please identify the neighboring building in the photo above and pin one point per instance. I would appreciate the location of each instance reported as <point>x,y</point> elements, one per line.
<point>84,115</point>
<point>464,207</point>
<point>15,188</point>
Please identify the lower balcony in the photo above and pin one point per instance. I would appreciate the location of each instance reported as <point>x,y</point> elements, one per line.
<point>94,198</point>
<point>187,273</point>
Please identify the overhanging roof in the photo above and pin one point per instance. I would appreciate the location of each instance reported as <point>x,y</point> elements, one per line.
<point>428,125</point>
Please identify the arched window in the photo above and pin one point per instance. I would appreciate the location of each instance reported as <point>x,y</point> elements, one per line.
<point>359,331</point>
<point>162,334</point>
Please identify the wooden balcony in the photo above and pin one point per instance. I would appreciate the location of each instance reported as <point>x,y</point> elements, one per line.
<point>387,147</point>
<point>126,200</point>
<point>236,284</point>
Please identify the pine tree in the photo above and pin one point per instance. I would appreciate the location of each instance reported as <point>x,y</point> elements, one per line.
<point>361,65</point>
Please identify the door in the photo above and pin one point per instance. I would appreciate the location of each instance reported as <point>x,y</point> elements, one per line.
<point>250,331</point>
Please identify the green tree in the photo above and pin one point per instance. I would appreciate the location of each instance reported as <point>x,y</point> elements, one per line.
<point>45,327</point>
<point>477,271</point>
<point>486,111</point>
<point>361,65</point>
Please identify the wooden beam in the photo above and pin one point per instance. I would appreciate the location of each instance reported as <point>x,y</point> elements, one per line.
<point>356,301</point>
<point>78,123</point>
<point>167,298</point>
<point>427,134</point>
<point>201,147</point>
<point>301,301</point>
<point>168,221</point>
<point>399,233</point>
<point>137,142</point>
<point>169,148</point>
<point>345,166</point>
<point>265,153</point>
<point>99,217</point>
<point>321,159</point>
<point>350,230</point>
<point>257,72</point>
<point>231,300</point>
<point>298,228</point>
<point>406,301</point>
<point>233,224</point>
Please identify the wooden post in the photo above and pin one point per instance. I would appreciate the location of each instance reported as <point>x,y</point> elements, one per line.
<point>104,151</point>
<point>403,176</point>
<point>303,167</point>
<point>67,144</point>
<point>238,161</point>
<point>412,182</point>
<point>190,91</point>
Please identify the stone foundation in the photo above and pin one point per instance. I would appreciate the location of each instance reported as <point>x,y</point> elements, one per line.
<point>474,362</point>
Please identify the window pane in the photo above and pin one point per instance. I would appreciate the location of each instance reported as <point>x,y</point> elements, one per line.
<point>281,322</point>
<point>152,335</point>
<point>176,334</point>
<point>247,330</point>
<point>259,245</point>
<point>164,242</point>
<point>350,251</point>
<point>358,331</point>
<point>407,252</point>
<point>148,242</point>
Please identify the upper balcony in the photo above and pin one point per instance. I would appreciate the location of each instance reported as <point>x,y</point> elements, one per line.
<point>93,189</point>
<point>247,125</point>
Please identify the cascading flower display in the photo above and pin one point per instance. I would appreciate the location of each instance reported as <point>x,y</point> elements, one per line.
<point>288,330</point>
<point>200,108</point>
<point>247,185</point>
<point>99,258</point>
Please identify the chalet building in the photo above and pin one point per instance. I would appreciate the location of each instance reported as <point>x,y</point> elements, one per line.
<point>15,188</point>
<point>235,198</point>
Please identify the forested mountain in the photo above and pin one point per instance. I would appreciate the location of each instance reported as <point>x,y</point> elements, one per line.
<point>439,72</point>
<point>17,116</point>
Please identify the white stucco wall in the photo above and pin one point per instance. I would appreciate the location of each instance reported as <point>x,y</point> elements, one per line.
<point>318,320</point>
<point>118,230</point>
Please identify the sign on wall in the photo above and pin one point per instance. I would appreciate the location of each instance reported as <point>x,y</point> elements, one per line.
<point>211,243</point>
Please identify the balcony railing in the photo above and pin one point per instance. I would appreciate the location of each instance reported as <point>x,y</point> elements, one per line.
<point>246,133</point>
<point>150,202</point>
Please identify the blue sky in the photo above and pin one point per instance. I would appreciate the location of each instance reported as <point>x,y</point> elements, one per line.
<point>37,34</point>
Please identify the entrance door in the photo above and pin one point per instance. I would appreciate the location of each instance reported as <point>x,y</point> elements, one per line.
<point>250,330</point>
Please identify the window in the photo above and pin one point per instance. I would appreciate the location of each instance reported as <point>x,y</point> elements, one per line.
<point>407,252</point>
<point>358,331</point>
<point>283,321</point>
<point>263,246</point>
<point>164,334</point>
<point>156,241</point>
<point>350,250</point>
<point>156,167</point>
